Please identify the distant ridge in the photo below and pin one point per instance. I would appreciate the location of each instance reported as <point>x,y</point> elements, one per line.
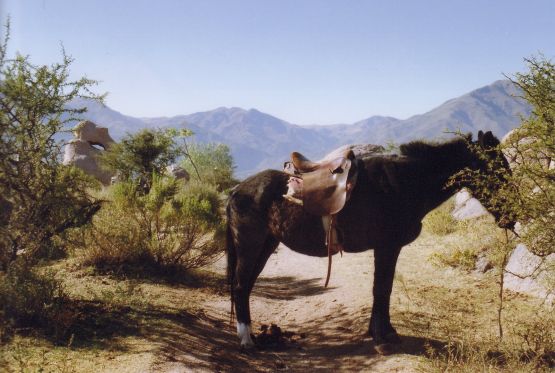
<point>258,140</point>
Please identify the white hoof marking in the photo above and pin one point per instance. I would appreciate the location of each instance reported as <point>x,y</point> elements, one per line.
<point>244,333</point>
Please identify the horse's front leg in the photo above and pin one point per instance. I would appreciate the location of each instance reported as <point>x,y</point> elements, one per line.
<point>385,259</point>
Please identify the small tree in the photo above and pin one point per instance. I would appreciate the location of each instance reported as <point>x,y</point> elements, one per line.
<point>527,193</point>
<point>138,156</point>
<point>532,149</point>
<point>41,197</point>
<point>212,163</point>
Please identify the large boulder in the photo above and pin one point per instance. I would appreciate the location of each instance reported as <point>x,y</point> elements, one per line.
<point>518,151</point>
<point>526,272</point>
<point>467,207</point>
<point>530,274</point>
<point>93,134</point>
<point>82,151</point>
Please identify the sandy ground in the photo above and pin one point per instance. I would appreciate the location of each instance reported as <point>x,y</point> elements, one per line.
<point>290,293</point>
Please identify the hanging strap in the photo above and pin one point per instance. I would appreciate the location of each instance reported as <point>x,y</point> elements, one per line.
<point>332,248</point>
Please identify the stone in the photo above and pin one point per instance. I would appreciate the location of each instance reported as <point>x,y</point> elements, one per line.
<point>82,151</point>
<point>530,274</point>
<point>467,207</point>
<point>178,172</point>
<point>483,264</point>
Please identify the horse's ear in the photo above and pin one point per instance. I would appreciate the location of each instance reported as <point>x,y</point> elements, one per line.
<point>480,136</point>
<point>489,141</point>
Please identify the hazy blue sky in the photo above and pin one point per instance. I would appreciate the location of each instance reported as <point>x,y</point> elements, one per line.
<point>305,61</point>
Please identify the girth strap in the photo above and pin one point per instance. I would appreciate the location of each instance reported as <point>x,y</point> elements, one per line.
<point>332,242</point>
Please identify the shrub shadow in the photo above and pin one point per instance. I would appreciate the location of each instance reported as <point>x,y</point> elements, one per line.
<point>173,275</point>
<point>288,287</point>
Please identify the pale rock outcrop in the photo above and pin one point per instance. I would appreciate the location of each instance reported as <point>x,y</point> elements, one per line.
<point>526,272</point>
<point>467,207</point>
<point>530,274</point>
<point>81,151</point>
<point>516,156</point>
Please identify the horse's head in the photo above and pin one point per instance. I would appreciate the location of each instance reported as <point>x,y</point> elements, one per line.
<point>490,173</point>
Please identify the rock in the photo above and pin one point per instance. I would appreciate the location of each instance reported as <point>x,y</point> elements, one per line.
<point>93,134</point>
<point>467,207</point>
<point>530,274</point>
<point>81,154</point>
<point>178,172</point>
<point>483,264</point>
<point>525,154</point>
<point>81,151</point>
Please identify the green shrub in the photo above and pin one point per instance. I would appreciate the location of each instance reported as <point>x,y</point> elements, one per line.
<point>212,163</point>
<point>30,299</point>
<point>171,225</point>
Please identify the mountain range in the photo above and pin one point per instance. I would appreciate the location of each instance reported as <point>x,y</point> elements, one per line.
<point>258,140</point>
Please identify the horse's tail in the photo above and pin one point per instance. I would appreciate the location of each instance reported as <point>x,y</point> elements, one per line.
<point>231,262</point>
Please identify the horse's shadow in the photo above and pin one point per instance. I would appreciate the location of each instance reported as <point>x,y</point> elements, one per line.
<point>339,343</point>
<point>288,287</point>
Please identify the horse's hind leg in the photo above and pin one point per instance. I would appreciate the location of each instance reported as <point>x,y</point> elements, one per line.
<point>246,272</point>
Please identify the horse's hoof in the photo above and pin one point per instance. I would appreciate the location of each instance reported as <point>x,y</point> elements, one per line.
<point>393,338</point>
<point>247,347</point>
<point>385,348</point>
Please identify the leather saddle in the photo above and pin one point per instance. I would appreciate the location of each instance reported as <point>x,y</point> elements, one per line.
<point>324,186</point>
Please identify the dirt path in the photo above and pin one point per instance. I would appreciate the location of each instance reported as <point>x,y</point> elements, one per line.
<point>290,293</point>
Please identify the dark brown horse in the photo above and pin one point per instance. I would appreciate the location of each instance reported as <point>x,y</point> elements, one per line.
<point>384,213</point>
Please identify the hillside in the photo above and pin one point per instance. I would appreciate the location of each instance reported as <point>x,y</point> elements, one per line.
<point>258,140</point>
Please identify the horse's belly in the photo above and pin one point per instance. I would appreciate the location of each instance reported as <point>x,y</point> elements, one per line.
<point>307,247</point>
<point>308,237</point>
<point>301,232</point>
<point>305,234</point>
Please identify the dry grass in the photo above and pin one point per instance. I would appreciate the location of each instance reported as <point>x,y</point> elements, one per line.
<point>464,333</point>
<point>447,317</point>
<point>462,241</point>
<point>440,221</point>
<point>122,324</point>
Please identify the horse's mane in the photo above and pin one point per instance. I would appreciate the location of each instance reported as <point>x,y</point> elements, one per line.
<point>435,150</point>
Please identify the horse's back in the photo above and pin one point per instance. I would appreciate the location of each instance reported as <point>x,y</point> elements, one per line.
<point>257,192</point>
<point>249,202</point>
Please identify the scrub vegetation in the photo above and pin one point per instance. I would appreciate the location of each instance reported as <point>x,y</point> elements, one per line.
<point>131,277</point>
